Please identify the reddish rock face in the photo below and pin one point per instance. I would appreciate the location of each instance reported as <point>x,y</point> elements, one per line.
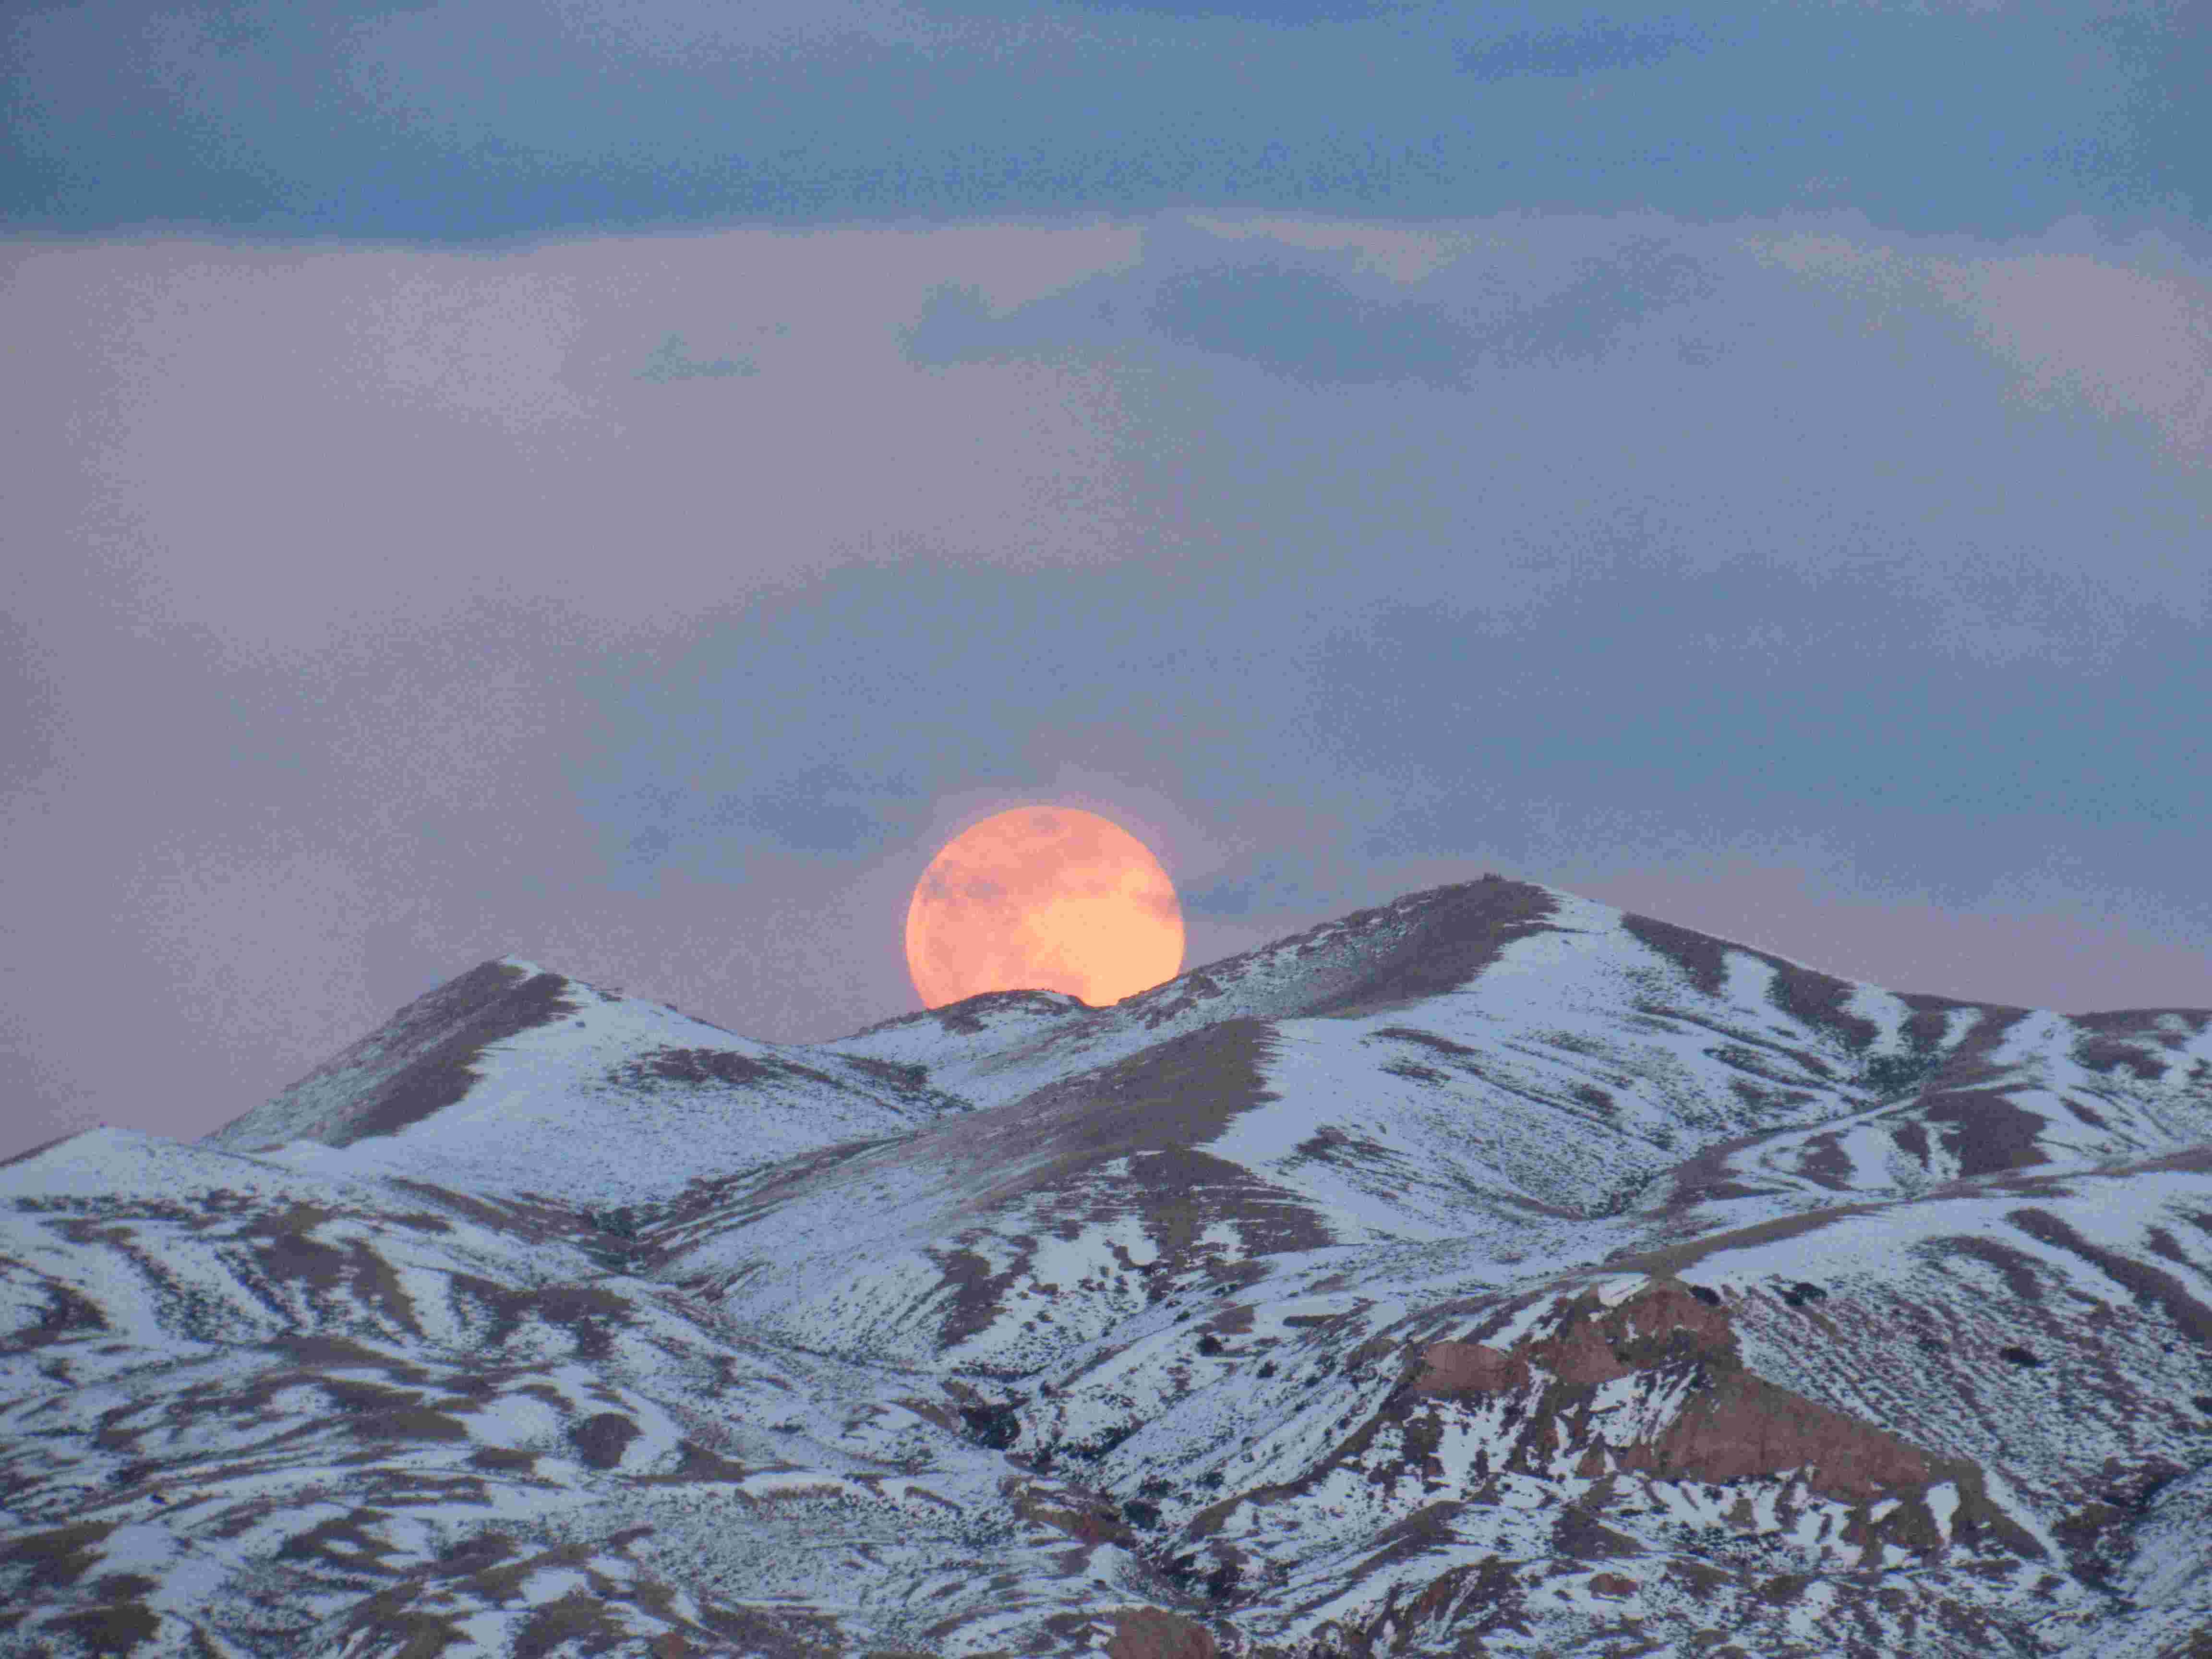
<point>1738,1425</point>
<point>1148,1633</point>
<point>1668,1306</point>
<point>1469,1367</point>
<point>1579,1356</point>
<point>1748,1426</point>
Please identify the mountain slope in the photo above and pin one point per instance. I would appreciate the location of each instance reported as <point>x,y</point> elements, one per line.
<point>514,1080</point>
<point>1492,1272</point>
<point>1591,1056</point>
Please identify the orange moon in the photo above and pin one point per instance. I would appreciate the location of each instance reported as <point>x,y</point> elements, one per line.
<point>1043,898</point>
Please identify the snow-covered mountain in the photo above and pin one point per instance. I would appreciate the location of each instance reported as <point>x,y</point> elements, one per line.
<point>1493,1272</point>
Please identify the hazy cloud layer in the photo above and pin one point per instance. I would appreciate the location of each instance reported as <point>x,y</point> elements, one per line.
<point>1836,590</point>
<point>504,118</point>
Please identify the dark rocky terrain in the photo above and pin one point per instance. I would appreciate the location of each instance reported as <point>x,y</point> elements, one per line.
<point>1491,1273</point>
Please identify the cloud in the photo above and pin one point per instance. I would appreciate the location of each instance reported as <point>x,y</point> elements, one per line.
<point>507,121</point>
<point>1594,46</point>
<point>1404,253</point>
<point>2081,329</point>
<point>1281,14</point>
<point>280,445</point>
<point>377,612</point>
<point>1300,323</point>
<point>1611,295</point>
<point>811,808</point>
<point>1330,303</point>
<point>2085,325</point>
<point>456,334</point>
<point>670,363</point>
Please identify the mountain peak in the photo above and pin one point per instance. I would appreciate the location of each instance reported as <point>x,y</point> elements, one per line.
<point>417,1063</point>
<point>1490,1267</point>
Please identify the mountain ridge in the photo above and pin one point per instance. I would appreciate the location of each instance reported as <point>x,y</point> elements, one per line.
<point>1492,1271</point>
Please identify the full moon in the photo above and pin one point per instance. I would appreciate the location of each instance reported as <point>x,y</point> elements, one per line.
<point>1043,898</point>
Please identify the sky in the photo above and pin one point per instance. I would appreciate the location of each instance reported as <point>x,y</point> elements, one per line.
<point>623,484</point>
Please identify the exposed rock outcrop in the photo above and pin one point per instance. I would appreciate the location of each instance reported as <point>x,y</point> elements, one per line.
<point>1148,1633</point>
<point>1703,1415</point>
<point>1449,1368</point>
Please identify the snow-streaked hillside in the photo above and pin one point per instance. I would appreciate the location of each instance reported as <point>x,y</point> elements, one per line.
<point>511,1079</point>
<point>1492,1272</point>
